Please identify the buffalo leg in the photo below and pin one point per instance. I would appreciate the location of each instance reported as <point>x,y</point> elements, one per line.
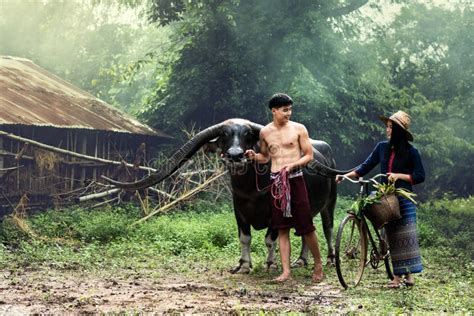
<point>328,230</point>
<point>327,216</point>
<point>302,260</point>
<point>245,262</point>
<point>270,238</point>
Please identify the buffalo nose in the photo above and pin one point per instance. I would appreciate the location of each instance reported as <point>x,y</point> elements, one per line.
<point>235,153</point>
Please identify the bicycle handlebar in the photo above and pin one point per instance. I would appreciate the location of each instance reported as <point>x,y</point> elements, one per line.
<point>362,180</point>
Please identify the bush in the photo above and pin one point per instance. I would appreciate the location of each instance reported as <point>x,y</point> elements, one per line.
<point>74,223</point>
<point>449,223</point>
<point>10,233</point>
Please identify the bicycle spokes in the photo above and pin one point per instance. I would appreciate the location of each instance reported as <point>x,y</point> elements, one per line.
<point>351,251</point>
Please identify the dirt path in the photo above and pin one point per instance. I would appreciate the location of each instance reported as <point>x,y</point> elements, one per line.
<point>50,290</point>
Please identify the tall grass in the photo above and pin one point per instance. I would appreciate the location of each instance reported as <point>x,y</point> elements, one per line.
<point>201,234</point>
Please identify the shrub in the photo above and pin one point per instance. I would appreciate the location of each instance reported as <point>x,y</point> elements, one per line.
<point>448,222</point>
<point>10,233</point>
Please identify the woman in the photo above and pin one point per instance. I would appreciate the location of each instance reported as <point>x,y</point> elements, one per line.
<point>402,163</point>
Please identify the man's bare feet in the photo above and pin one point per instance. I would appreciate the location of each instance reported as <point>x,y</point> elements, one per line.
<point>318,275</point>
<point>282,278</point>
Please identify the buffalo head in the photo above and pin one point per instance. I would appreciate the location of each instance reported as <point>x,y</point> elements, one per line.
<point>235,138</point>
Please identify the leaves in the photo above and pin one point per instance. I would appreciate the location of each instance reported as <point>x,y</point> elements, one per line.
<point>382,189</point>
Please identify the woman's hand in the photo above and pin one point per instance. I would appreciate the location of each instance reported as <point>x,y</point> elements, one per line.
<point>393,177</point>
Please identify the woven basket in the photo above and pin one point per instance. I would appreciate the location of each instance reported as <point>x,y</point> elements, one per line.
<point>387,210</point>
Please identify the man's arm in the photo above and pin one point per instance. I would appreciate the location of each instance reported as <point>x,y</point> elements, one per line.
<point>306,149</point>
<point>263,156</point>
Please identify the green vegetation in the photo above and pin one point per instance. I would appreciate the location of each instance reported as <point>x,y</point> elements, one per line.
<point>204,236</point>
<point>189,64</point>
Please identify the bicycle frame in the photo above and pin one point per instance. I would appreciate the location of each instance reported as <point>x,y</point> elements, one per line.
<point>379,250</point>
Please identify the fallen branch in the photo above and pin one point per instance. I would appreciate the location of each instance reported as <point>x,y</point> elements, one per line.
<point>97,195</point>
<point>67,152</point>
<point>161,193</point>
<point>182,197</point>
<point>192,173</point>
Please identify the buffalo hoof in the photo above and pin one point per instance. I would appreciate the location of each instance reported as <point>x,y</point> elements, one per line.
<point>301,262</point>
<point>272,266</point>
<point>241,270</point>
<point>331,261</point>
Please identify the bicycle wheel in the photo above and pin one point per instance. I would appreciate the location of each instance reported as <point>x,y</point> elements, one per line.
<point>387,258</point>
<point>351,251</point>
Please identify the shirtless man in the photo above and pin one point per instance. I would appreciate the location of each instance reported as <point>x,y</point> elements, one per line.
<point>287,145</point>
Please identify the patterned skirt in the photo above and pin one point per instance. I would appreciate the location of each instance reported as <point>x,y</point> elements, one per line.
<point>403,240</point>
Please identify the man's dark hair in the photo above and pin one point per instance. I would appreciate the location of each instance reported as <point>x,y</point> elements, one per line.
<point>279,100</point>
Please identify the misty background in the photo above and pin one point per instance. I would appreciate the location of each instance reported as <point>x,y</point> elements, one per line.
<point>179,65</point>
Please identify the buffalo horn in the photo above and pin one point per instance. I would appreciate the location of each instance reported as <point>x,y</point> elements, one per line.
<point>174,162</point>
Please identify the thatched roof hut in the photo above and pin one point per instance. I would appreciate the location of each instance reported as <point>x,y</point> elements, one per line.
<point>38,108</point>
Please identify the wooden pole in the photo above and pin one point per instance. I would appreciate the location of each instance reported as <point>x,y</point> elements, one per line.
<point>67,152</point>
<point>96,152</point>
<point>83,151</point>
<point>97,195</point>
<point>1,149</point>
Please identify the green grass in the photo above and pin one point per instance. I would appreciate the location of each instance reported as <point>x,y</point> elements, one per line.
<point>204,236</point>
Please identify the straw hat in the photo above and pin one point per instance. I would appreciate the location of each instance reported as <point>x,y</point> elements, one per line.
<point>402,119</point>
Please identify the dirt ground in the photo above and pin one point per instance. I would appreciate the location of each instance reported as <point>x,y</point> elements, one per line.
<point>57,291</point>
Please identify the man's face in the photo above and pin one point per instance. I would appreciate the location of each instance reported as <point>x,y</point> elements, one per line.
<point>283,113</point>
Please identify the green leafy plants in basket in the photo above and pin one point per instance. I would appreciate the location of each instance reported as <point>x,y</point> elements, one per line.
<point>382,189</point>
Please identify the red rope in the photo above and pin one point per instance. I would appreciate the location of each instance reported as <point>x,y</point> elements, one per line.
<point>280,191</point>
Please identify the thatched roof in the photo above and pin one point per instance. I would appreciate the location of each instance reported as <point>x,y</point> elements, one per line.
<point>30,95</point>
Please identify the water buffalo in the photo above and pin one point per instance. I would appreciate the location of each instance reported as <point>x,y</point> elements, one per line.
<point>251,205</point>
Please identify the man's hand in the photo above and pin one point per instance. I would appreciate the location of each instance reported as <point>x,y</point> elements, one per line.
<point>250,154</point>
<point>351,174</point>
<point>288,167</point>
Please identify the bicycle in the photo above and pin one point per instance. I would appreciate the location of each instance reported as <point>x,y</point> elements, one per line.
<point>352,244</point>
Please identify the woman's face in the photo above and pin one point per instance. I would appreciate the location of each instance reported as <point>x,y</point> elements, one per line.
<point>389,129</point>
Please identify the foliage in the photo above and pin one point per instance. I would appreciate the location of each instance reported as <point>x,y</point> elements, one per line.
<point>203,61</point>
<point>75,224</point>
<point>228,69</point>
<point>448,223</point>
<point>425,51</point>
<point>382,189</point>
<point>10,233</point>
<point>233,55</point>
<point>204,238</point>
<point>100,47</point>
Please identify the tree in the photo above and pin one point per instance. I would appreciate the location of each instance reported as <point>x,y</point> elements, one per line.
<point>86,43</point>
<point>428,52</point>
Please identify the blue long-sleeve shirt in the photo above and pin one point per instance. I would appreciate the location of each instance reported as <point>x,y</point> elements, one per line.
<point>407,164</point>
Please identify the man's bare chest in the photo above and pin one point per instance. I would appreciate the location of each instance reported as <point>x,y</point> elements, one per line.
<point>281,140</point>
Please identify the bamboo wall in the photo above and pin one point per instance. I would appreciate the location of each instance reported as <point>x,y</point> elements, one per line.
<point>47,176</point>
